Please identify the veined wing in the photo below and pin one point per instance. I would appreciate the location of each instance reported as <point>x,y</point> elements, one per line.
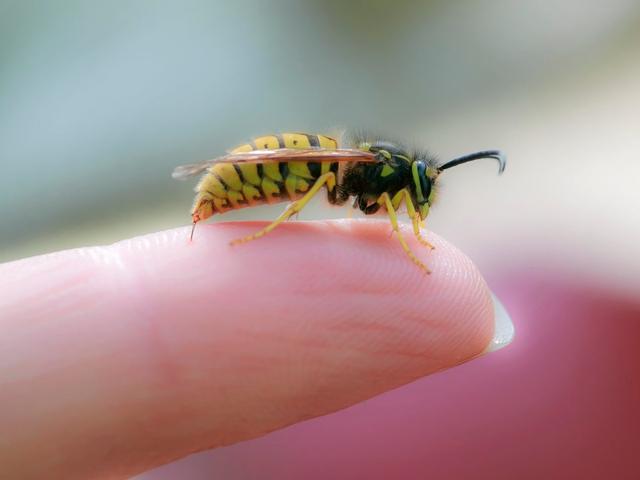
<point>277,155</point>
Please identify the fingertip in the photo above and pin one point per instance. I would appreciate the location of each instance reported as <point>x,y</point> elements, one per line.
<point>328,258</point>
<point>343,259</point>
<point>206,344</point>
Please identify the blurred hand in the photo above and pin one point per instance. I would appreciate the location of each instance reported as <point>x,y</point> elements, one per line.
<point>117,359</point>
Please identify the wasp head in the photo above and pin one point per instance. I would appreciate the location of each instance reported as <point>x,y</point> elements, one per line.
<point>425,175</point>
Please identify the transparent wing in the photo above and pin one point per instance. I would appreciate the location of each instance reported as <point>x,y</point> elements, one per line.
<point>186,171</point>
<point>277,155</point>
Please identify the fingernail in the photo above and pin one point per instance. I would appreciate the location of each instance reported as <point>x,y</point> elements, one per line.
<point>504,330</point>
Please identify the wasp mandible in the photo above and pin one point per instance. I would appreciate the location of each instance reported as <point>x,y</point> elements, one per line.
<point>378,175</point>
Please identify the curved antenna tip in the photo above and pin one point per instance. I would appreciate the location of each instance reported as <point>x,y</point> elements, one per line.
<point>502,160</point>
<point>496,154</point>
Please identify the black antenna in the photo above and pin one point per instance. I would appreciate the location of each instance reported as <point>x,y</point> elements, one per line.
<point>497,154</point>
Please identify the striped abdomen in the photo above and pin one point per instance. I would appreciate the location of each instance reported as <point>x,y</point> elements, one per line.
<point>229,186</point>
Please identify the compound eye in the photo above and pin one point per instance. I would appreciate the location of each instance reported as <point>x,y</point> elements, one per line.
<point>425,182</point>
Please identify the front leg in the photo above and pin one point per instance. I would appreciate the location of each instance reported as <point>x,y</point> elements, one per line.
<point>413,214</point>
<point>385,200</point>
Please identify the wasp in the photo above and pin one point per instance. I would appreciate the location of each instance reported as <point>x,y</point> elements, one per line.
<point>378,175</point>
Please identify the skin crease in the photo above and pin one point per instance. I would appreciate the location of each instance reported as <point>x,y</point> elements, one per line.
<point>117,359</point>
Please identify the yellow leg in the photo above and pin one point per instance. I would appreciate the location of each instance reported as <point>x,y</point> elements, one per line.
<point>328,179</point>
<point>413,215</point>
<point>385,201</point>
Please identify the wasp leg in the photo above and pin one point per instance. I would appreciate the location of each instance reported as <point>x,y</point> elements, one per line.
<point>328,179</point>
<point>385,200</point>
<point>413,215</point>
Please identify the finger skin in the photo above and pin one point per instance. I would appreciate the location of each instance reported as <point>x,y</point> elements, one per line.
<point>117,359</point>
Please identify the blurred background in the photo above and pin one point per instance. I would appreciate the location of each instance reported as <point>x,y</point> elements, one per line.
<point>99,101</point>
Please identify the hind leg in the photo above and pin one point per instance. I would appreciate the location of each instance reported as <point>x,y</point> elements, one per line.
<point>328,179</point>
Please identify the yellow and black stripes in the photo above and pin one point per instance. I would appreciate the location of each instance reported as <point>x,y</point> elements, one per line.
<point>232,186</point>
<point>288,140</point>
<point>229,186</point>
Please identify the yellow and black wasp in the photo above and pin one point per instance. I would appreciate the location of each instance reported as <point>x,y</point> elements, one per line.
<point>295,166</point>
